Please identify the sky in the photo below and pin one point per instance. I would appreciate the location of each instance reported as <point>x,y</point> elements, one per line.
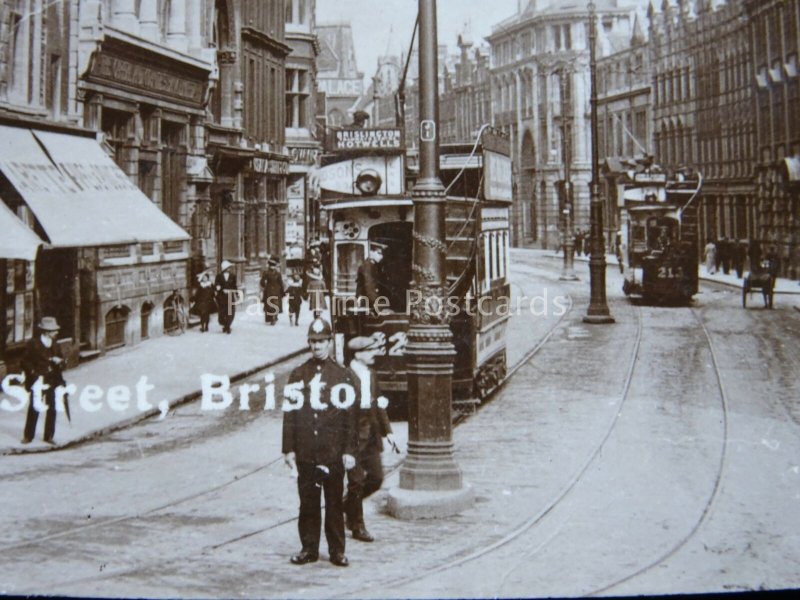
<point>381,24</point>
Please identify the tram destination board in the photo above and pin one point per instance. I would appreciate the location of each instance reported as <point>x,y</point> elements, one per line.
<point>383,140</point>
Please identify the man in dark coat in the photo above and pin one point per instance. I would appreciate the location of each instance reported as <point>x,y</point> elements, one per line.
<point>368,280</point>
<point>227,295</point>
<point>294,290</point>
<point>320,441</point>
<point>42,360</point>
<point>373,425</point>
<point>272,292</point>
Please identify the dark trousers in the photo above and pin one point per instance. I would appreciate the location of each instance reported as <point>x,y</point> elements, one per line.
<point>49,418</point>
<point>311,509</point>
<point>362,481</point>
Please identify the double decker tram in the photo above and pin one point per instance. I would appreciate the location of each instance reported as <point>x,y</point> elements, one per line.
<point>660,235</point>
<point>366,181</point>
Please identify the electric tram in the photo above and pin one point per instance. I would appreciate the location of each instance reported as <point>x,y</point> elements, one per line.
<point>659,234</point>
<point>366,182</point>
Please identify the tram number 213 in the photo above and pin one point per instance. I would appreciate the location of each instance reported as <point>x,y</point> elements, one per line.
<point>670,272</point>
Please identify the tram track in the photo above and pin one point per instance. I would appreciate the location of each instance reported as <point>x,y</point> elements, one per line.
<point>209,548</point>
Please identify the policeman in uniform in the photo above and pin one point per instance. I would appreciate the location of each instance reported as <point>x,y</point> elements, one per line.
<point>320,441</point>
<point>373,425</point>
<point>367,279</point>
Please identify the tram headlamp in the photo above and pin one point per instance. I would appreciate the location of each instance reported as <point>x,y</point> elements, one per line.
<point>368,181</point>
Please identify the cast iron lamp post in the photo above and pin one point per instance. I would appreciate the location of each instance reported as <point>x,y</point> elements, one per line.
<point>598,312</point>
<point>430,480</point>
<point>568,269</point>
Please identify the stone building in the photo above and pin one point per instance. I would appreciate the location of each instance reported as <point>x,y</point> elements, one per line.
<point>246,131</point>
<point>540,85</point>
<point>81,84</point>
<point>703,101</point>
<point>338,76</point>
<point>773,34</point>
<point>624,109</point>
<point>302,224</point>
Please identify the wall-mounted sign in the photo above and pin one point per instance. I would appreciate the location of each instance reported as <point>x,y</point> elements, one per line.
<point>358,140</point>
<point>340,87</point>
<point>272,167</point>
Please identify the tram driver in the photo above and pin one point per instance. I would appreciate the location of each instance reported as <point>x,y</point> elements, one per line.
<point>368,287</point>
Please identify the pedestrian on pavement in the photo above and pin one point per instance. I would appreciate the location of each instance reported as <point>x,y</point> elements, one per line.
<point>754,255</point>
<point>294,290</point>
<point>373,425</point>
<point>204,299</point>
<point>42,360</point>
<point>739,255</point>
<point>368,279</point>
<point>315,291</point>
<point>710,257</point>
<point>227,291</point>
<point>580,238</point>
<point>773,262</point>
<point>618,252</point>
<point>320,442</point>
<point>725,250</point>
<point>272,292</point>
<point>720,243</point>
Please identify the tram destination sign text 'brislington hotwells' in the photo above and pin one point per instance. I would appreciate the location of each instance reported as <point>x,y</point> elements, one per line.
<point>373,140</point>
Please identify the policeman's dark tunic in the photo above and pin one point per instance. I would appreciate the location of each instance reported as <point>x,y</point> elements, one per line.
<point>320,437</point>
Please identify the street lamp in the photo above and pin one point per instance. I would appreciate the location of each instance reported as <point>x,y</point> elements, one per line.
<point>430,480</point>
<point>598,312</point>
<point>568,269</point>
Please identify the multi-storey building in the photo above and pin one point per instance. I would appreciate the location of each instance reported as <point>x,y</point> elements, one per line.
<point>246,134</point>
<point>540,85</point>
<point>624,117</point>
<point>466,104</point>
<point>703,106</point>
<point>301,135</point>
<point>132,75</point>
<point>773,34</point>
<point>338,76</point>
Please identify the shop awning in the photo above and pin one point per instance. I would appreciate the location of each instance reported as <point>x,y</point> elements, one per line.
<point>78,194</point>
<point>17,240</point>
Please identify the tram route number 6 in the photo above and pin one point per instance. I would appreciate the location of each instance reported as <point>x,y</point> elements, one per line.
<point>669,272</point>
<point>397,342</point>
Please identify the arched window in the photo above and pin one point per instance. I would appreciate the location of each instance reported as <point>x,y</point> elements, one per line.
<point>116,322</point>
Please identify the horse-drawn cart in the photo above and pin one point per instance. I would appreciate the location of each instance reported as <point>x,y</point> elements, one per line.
<point>762,279</point>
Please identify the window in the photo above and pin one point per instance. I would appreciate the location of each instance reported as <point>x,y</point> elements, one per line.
<point>297,93</point>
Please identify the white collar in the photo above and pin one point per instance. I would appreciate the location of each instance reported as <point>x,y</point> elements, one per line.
<point>47,341</point>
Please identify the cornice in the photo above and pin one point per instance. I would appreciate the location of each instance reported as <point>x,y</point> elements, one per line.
<point>261,38</point>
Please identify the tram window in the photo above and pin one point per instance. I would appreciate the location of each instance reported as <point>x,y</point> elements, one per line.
<point>348,258</point>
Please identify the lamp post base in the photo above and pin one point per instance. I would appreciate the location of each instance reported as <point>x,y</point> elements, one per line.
<point>410,505</point>
<point>598,319</point>
<point>567,276</point>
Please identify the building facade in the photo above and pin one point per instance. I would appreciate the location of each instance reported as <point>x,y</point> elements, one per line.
<point>773,34</point>
<point>338,76</point>
<point>246,133</point>
<point>305,148</point>
<point>540,86</point>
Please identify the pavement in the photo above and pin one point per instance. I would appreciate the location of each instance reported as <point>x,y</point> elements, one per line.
<point>172,365</point>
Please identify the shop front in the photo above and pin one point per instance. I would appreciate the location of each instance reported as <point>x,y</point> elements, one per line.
<point>110,257</point>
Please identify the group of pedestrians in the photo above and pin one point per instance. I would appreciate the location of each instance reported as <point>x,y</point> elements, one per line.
<point>322,442</point>
<point>738,255</point>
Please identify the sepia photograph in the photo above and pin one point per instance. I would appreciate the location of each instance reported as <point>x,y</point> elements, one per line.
<point>312,299</point>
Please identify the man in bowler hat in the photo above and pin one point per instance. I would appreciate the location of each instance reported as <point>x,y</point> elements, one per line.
<point>42,360</point>
<point>320,441</point>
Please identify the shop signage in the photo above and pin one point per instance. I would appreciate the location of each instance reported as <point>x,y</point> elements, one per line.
<point>145,78</point>
<point>271,167</point>
<point>340,87</point>
<point>341,177</point>
<point>350,140</point>
<point>304,156</point>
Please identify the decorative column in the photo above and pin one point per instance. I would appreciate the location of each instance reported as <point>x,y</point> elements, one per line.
<point>176,26</point>
<point>597,312</point>
<point>124,16</point>
<point>430,480</point>
<point>195,12</point>
<point>148,20</point>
